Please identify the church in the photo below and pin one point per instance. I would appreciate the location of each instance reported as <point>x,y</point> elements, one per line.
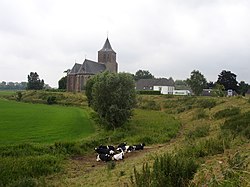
<point>80,73</point>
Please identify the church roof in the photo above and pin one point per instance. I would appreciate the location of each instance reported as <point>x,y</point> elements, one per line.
<point>75,68</point>
<point>91,67</point>
<point>143,84</point>
<point>107,46</point>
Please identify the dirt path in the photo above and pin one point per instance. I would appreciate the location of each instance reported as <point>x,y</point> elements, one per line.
<point>85,164</point>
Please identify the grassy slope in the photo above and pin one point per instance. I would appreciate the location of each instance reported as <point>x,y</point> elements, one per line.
<point>23,122</point>
<point>82,173</point>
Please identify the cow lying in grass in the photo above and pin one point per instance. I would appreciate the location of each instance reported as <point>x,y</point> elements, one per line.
<point>119,156</point>
<point>139,146</point>
<point>103,157</point>
<point>104,151</point>
<point>107,153</point>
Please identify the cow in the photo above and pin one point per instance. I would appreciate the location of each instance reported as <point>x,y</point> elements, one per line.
<point>129,149</point>
<point>122,146</point>
<point>139,146</point>
<point>110,147</point>
<point>103,157</point>
<point>119,156</point>
<point>104,151</point>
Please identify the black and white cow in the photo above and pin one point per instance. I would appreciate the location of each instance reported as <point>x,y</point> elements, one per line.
<point>110,147</point>
<point>129,148</point>
<point>103,157</point>
<point>122,146</point>
<point>119,156</point>
<point>139,146</point>
<point>104,151</point>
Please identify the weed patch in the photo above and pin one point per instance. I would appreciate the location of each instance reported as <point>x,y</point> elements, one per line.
<point>228,112</point>
<point>238,125</point>
<point>168,170</point>
<point>23,170</point>
<point>199,131</point>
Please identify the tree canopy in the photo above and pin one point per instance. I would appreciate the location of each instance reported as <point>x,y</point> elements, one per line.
<point>228,80</point>
<point>143,74</point>
<point>197,82</point>
<point>243,88</point>
<point>34,83</point>
<point>62,83</point>
<point>112,96</point>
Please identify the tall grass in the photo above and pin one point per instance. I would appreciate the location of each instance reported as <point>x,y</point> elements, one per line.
<point>228,112</point>
<point>199,131</point>
<point>238,125</point>
<point>167,170</point>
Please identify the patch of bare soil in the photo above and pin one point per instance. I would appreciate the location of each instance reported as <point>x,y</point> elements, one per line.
<point>83,164</point>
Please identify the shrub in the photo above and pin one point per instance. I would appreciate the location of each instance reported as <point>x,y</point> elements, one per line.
<point>168,170</point>
<point>51,100</point>
<point>19,96</point>
<point>149,92</point>
<point>227,112</point>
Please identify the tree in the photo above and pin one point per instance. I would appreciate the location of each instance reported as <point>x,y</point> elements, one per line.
<point>181,85</point>
<point>62,83</point>
<point>112,96</point>
<point>34,83</point>
<point>228,80</point>
<point>210,85</point>
<point>143,74</point>
<point>218,90</point>
<point>197,82</point>
<point>243,88</point>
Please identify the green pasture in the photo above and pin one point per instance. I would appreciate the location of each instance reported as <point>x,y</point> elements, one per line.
<point>6,92</point>
<point>37,123</point>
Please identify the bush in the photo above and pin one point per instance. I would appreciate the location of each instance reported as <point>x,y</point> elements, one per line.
<point>51,100</point>
<point>149,92</point>
<point>227,112</point>
<point>19,96</point>
<point>168,170</point>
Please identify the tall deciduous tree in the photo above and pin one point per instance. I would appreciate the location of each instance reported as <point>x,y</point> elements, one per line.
<point>197,82</point>
<point>143,74</point>
<point>243,88</point>
<point>34,83</point>
<point>62,83</point>
<point>228,80</point>
<point>112,96</point>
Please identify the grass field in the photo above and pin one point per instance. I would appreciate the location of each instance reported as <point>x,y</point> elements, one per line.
<point>187,126</point>
<point>27,123</point>
<point>6,92</point>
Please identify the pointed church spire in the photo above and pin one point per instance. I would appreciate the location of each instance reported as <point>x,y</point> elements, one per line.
<point>107,46</point>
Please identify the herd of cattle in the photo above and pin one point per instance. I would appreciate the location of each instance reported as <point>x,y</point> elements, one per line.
<point>108,153</point>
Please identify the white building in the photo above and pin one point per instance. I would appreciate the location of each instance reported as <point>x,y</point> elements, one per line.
<point>166,86</point>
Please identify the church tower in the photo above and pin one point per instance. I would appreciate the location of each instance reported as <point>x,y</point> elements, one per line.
<point>107,56</point>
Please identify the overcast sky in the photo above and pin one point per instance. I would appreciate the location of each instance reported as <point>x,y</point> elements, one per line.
<point>170,38</point>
